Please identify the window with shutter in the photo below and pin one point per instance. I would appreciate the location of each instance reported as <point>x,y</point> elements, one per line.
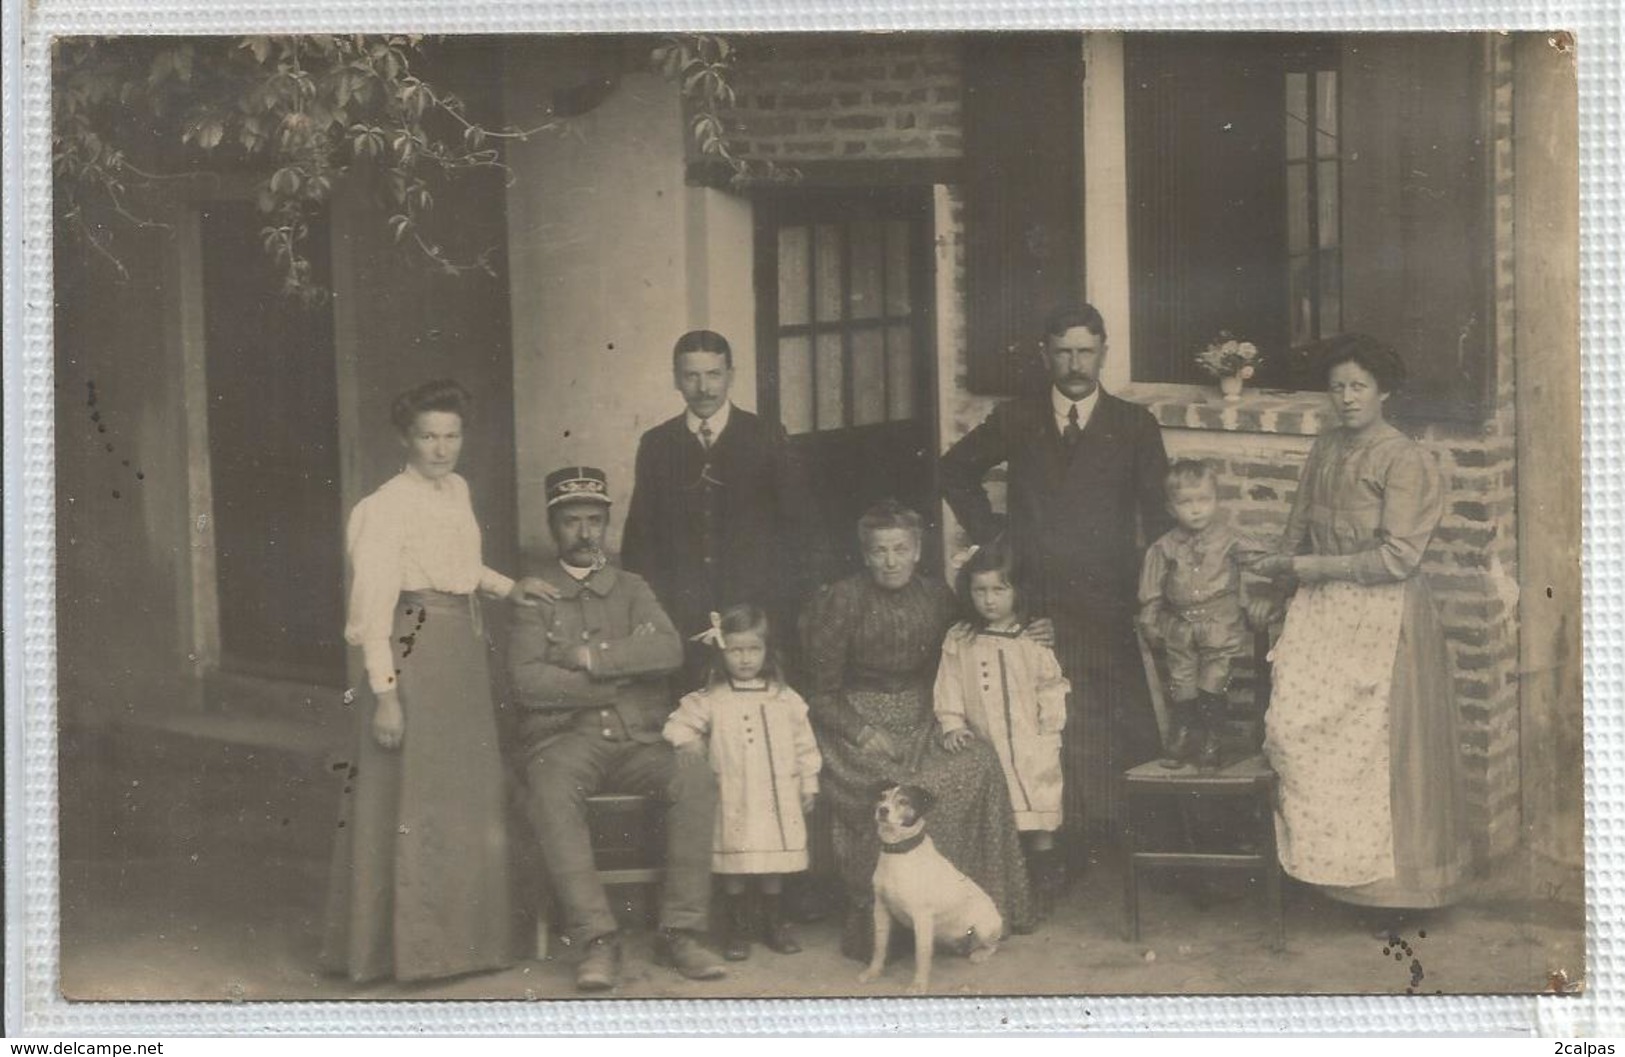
<point>1291,188</point>
<point>1023,119</point>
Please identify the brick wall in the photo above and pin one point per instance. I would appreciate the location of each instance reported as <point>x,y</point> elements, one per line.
<point>861,96</point>
<point>891,97</point>
<point>1471,564</point>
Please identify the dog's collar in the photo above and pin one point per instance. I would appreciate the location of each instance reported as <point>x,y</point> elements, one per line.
<point>905,845</point>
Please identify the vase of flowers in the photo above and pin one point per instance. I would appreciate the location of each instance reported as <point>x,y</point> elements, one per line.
<point>1231,361</point>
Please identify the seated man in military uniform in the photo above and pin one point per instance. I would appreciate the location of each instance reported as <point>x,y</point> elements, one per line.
<point>590,670</point>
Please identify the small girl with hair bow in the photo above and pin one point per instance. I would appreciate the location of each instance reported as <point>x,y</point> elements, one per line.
<point>766,760</point>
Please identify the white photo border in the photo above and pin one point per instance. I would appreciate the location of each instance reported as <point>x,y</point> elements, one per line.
<point>34,1005</point>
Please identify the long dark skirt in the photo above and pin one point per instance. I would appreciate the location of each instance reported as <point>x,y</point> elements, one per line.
<point>971,822</point>
<point>420,884</point>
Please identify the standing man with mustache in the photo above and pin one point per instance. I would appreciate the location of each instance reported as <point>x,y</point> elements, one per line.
<point>720,512</point>
<point>1084,489</point>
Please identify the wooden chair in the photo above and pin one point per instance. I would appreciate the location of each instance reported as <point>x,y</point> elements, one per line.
<point>625,834</point>
<point>1249,779</point>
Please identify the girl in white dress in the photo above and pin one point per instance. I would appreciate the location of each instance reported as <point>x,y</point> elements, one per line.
<point>766,760</point>
<point>998,685</point>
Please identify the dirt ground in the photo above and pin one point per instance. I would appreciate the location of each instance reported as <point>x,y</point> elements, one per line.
<point>201,930</point>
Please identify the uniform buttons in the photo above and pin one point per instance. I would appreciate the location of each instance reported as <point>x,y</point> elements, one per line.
<point>585,636</point>
<point>609,733</point>
<point>603,713</point>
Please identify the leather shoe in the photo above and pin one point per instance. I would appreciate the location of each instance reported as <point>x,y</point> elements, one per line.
<point>600,967</point>
<point>683,951</point>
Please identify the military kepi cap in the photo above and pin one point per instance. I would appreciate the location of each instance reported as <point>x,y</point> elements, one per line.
<point>573,483</point>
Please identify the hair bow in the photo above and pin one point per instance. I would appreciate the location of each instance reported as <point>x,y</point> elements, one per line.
<point>713,634</point>
<point>961,559</point>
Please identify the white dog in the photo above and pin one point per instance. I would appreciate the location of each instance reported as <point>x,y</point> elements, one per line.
<point>923,890</point>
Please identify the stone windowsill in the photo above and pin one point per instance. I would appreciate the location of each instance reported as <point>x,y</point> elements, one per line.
<point>1202,407</point>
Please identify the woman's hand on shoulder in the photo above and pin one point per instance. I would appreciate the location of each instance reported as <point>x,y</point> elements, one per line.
<point>388,721</point>
<point>527,589</point>
<point>1041,631</point>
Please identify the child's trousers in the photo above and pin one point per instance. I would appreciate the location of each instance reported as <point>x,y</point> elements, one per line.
<point>1201,642</point>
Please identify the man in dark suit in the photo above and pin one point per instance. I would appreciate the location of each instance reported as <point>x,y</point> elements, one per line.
<point>1085,484</point>
<point>720,511</point>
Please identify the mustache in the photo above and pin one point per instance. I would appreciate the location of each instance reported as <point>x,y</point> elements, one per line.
<point>590,549</point>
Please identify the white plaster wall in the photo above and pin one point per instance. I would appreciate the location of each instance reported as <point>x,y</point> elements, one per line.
<point>1105,199</point>
<point>611,257</point>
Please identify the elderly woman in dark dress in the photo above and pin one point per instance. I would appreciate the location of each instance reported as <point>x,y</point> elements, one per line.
<point>1362,724</point>
<point>873,641</point>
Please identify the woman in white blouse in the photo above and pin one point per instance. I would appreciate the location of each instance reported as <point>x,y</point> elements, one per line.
<point>420,871</point>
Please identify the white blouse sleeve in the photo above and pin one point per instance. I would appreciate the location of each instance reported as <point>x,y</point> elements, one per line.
<point>374,539</point>
<point>494,583</point>
<point>490,581</point>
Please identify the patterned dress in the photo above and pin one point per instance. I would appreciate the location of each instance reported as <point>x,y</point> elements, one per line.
<point>420,874</point>
<point>1361,723</point>
<point>872,656</point>
<point>765,757</point>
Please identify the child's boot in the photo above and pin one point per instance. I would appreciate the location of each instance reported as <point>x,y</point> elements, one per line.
<point>736,927</point>
<point>1181,744</point>
<point>776,933</point>
<point>1213,708</point>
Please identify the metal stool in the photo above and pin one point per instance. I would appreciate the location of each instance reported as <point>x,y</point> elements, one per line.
<point>623,830</point>
<point>1249,778</point>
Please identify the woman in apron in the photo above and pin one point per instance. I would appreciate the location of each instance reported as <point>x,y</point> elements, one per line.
<point>1361,724</point>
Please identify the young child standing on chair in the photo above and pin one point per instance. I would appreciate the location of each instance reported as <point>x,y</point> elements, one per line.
<point>997,685</point>
<point>766,760</point>
<point>1190,604</point>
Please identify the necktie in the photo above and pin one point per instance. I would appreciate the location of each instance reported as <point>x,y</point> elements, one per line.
<point>1073,431</point>
<point>705,435</point>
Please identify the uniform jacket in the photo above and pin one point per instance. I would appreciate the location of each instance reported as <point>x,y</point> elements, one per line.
<point>1076,514</point>
<point>732,524</point>
<point>627,684</point>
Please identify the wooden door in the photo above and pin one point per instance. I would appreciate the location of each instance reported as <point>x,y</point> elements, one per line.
<point>846,356</point>
<point>274,457</point>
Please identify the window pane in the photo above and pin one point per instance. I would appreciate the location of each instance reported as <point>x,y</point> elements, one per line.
<point>1326,203</point>
<point>863,296</point>
<point>868,376</point>
<point>1331,292</point>
<point>1297,115</point>
<point>795,284</point>
<point>897,270</point>
<point>831,401</point>
<point>796,384</point>
<point>1326,113</point>
<point>1297,208</point>
<point>899,373</point>
<point>827,268</point>
<point>1301,298</point>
